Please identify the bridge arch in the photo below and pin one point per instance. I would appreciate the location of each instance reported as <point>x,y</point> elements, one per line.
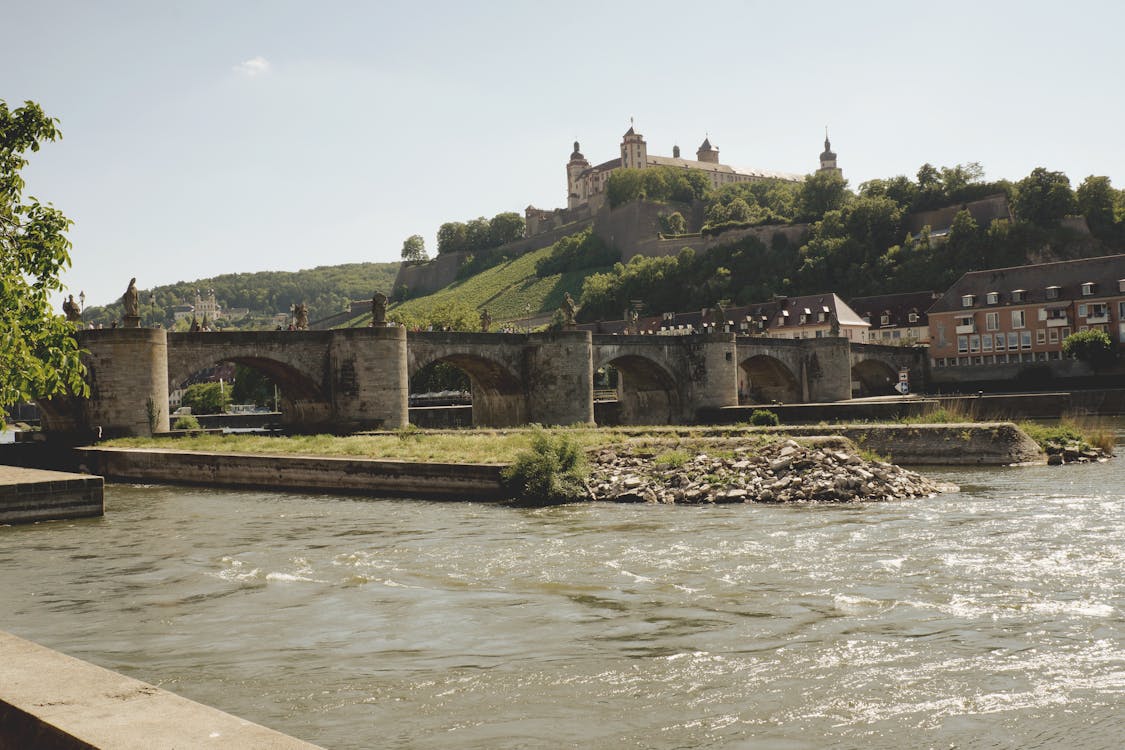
<point>764,379</point>
<point>647,392</point>
<point>498,394</point>
<point>873,377</point>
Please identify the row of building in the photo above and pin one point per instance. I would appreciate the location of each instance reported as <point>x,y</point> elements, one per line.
<point>998,316</point>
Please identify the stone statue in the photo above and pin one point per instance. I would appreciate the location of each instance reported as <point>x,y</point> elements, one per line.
<point>379,310</point>
<point>569,310</point>
<point>71,309</point>
<point>834,328</point>
<point>131,300</point>
<point>634,316</point>
<point>301,316</point>
<point>485,320</point>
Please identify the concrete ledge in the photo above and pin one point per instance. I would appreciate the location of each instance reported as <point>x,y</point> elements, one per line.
<point>50,701</point>
<point>320,474</point>
<point>30,495</point>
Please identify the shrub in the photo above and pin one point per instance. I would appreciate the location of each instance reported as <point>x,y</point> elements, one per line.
<point>553,471</point>
<point>186,422</point>
<point>764,418</point>
<point>1091,346</point>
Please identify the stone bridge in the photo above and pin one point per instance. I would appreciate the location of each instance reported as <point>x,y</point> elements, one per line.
<point>343,380</point>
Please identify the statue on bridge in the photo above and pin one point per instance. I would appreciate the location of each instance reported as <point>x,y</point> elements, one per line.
<point>71,310</point>
<point>131,302</point>
<point>379,310</point>
<point>569,310</point>
<point>485,320</point>
<point>301,316</point>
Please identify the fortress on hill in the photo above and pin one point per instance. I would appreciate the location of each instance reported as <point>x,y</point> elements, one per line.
<point>586,184</point>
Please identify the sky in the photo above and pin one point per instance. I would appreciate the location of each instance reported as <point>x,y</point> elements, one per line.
<point>203,138</point>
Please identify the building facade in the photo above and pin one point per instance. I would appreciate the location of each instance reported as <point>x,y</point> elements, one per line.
<point>586,184</point>
<point>897,319</point>
<point>1024,313</point>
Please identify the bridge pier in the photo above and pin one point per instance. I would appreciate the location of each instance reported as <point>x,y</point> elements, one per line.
<point>559,369</point>
<point>369,384</point>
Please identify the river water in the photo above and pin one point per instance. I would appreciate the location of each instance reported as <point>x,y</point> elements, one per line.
<point>992,618</point>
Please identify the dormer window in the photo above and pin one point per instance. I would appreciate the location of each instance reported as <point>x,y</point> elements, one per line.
<point>885,319</point>
<point>912,316</point>
<point>1018,295</point>
<point>992,298</point>
<point>1053,292</point>
<point>968,300</point>
<point>1088,288</point>
<point>1121,285</point>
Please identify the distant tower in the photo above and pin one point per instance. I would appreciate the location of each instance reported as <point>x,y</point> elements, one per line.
<point>634,151</point>
<point>675,152</point>
<point>575,190</point>
<point>828,158</point>
<point>707,152</point>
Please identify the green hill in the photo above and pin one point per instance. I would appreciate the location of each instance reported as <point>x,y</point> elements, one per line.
<point>325,289</point>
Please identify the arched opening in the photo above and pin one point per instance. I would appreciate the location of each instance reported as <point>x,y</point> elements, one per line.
<point>247,393</point>
<point>765,380</point>
<point>441,395</point>
<point>646,393</point>
<point>492,393</point>
<point>873,378</point>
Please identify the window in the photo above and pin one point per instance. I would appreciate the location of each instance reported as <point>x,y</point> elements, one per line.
<point>962,343</point>
<point>992,321</point>
<point>986,343</point>
<point>1064,333</point>
<point>1088,288</point>
<point>1025,339</point>
<point>1082,310</point>
<point>1013,340</point>
<point>1121,285</point>
<point>1053,335</point>
<point>1053,292</point>
<point>1098,310</point>
<point>1040,337</point>
<point>1018,319</point>
<point>912,317</point>
<point>1018,295</point>
<point>992,298</point>
<point>884,319</point>
<point>1121,310</point>
<point>968,300</point>
<point>974,343</point>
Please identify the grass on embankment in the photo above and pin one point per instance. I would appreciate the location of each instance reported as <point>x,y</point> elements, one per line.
<point>460,446</point>
<point>1086,432</point>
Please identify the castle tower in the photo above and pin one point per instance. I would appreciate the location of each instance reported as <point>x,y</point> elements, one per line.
<point>828,158</point>
<point>576,192</point>
<point>634,151</point>
<point>707,152</point>
<point>675,152</point>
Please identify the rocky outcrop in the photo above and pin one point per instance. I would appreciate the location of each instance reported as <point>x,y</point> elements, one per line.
<point>726,472</point>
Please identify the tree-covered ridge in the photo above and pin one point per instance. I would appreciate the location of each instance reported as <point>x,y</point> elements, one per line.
<point>325,289</point>
<point>858,244</point>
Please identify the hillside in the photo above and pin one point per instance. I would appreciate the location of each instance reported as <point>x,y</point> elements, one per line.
<point>325,289</point>
<point>506,290</point>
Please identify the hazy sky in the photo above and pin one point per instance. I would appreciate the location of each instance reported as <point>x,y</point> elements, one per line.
<point>212,137</point>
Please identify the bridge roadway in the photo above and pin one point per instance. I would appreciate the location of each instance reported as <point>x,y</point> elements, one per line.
<point>359,378</point>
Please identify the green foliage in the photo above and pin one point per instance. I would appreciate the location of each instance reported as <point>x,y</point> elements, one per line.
<point>439,376</point>
<point>186,422</point>
<point>578,251</point>
<point>673,459</point>
<point>442,315</point>
<point>660,184</point>
<point>1043,198</point>
<point>479,234</point>
<point>1092,346</point>
<point>764,418</point>
<point>414,248</point>
<point>38,352</point>
<point>820,193</point>
<point>553,471</point>
<point>251,386</point>
<point>206,398</point>
<point>1097,200</point>
<point>673,223</point>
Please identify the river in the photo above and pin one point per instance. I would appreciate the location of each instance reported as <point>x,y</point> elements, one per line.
<point>992,618</point>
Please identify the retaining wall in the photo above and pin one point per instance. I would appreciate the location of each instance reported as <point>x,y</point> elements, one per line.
<point>30,495</point>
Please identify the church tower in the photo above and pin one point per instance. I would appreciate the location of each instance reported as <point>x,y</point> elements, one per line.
<point>634,151</point>
<point>576,192</point>
<point>707,152</point>
<point>828,158</point>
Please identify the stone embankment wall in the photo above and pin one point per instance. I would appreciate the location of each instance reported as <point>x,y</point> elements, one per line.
<point>334,475</point>
<point>29,495</point>
<point>52,701</point>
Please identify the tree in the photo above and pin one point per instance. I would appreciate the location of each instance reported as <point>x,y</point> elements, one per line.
<point>452,237</point>
<point>506,227</point>
<point>1092,346</point>
<point>206,398</point>
<point>1043,198</point>
<point>820,193</point>
<point>1096,199</point>
<point>38,351</point>
<point>414,248</point>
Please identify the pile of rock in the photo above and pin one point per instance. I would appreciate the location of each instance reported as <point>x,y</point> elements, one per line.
<point>1072,453</point>
<point>778,472</point>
